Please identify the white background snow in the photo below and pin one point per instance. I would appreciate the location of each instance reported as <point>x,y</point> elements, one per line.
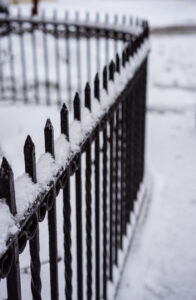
<point>162,260</point>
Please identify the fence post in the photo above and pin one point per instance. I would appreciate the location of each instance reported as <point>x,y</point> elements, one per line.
<point>97,198</point>
<point>30,168</point>
<point>112,241</point>
<point>78,186</point>
<point>88,202</point>
<point>52,226</point>
<point>67,213</point>
<point>7,191</point>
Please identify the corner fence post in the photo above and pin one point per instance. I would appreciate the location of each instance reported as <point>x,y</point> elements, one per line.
<point>67,213</point>
<point>52,224</point>
<point>7,192</point>
<point>97,198</point>
<point>30,168</point>
<point>105,204</point>
<point>78,188</point>
<point>112,211</point>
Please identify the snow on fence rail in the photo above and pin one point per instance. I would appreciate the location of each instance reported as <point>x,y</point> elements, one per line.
<point>107,136</point>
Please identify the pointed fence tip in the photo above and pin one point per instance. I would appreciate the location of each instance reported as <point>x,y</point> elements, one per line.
<point>28,142</point>
<point>48,125</point>
<point>64,107</point>
<point>4,163</point>
<point>87,86</point>
<point>77,99</point>
<point>77,107</point>
<point>5,167</point>
<point>97,77</point>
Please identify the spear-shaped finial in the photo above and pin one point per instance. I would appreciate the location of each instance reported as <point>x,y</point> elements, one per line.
<point>96,87</point>
<point>111,70</point>
<point>49,137</point>
<point>77,113</point>
<point>123,58</point>
<point>7,185</point>
<point>65,121</point>
<point>29,157</point>
<point>117,63</point>
<point>87,96</point>
<point>105,78</point>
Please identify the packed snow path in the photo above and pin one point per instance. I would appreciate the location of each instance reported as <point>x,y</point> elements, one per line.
<point>162,260</point>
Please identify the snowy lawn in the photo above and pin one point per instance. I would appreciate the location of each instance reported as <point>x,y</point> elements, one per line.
<point>162,259</point>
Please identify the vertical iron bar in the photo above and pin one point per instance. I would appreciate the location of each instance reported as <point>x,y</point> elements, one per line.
<point>117,209</point>
<point>68,62</point>
<point>97,199</point>
<point>115,37</point>
<point>144,112</point>
<point>57,59</point>
<point>111,197</point>
<point>105,229</point>
<point>35,69</point>
<point>52,224</point>
<point>78,186</point>
<point>88,51</point>
<point>121,177</point>
<point>46,65</point>
<point>131,152</point>
<point>123,168</point>
<point>78,53</point>
<point>67,214</point>
<point>11,58</point>
<point>98,44</point>
<point>30,168</point>
<point>1,72</point>
<point>88,203</point>
<point>7,191</point>
<point>106,40</point>
<point>23,62</point>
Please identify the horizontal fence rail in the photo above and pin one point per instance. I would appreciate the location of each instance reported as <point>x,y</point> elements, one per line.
<point>97,170</point>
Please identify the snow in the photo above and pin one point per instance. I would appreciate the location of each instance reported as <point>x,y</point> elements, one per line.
<point>25,192</point>
<point>46,170</point>
<point>62,150</point>
<point>161,262</point>
<point>7,225</point>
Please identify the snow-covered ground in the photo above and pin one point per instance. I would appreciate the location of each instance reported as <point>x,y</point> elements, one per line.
<point>162,260</point>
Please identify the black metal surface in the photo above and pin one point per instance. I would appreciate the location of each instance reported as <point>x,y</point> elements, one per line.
<point>30,168</point>
<point>52,223</point>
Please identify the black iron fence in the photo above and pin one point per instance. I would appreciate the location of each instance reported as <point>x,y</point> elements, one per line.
<point>45,60</point>
<point>108,162</point>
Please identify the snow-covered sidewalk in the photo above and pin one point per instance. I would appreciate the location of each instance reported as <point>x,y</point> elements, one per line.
<point>162,260</point>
